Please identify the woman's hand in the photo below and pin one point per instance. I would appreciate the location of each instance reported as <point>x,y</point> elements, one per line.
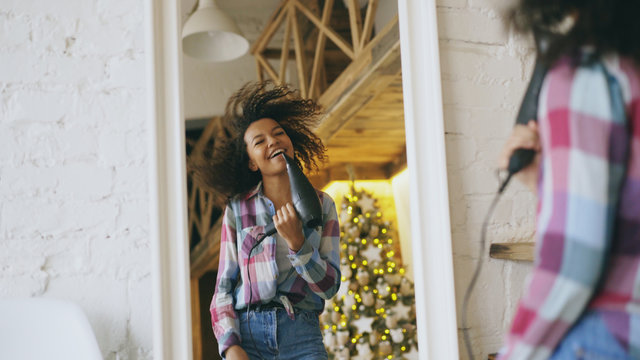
<point>235,352</point>
<point>523,137</point>
<point>289,226</point>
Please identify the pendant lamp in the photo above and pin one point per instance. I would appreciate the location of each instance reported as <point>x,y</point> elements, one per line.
<point>211,35</point>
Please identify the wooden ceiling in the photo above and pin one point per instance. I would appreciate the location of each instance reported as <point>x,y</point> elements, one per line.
<point>371,142</point>
<point>352,72</point>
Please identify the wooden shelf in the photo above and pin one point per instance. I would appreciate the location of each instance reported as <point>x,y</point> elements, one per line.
<point>523,251</point>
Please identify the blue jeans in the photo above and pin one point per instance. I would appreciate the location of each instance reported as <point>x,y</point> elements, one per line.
<point>589,339</point>
<point>277,337</point>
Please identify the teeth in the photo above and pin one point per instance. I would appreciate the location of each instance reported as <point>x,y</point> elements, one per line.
<point>277,153</point>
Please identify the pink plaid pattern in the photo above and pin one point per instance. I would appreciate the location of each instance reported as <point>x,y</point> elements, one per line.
<point>588,223</point>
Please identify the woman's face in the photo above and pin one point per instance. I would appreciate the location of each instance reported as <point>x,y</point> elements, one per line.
<point>265,140</point>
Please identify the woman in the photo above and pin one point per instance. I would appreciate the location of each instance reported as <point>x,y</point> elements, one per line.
<point>582,300</point>
<point>286,278</point>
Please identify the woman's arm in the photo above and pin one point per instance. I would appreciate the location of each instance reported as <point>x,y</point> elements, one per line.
<point>223,315</point>
<point>580,183</point>
<point>320,267</point>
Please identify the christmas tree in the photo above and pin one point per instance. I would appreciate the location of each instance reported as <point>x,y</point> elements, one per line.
<point>373,314</point>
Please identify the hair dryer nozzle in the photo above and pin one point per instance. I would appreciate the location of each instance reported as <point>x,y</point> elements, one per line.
<point>304,196</point>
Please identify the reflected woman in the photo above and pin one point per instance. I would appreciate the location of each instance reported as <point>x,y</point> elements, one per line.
<point>286,279</point>
<point>583,297</point>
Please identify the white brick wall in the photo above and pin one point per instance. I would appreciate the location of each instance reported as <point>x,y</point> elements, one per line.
<point>73,163</point>
<point>485,69</point>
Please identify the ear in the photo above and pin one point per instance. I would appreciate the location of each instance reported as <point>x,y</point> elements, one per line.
<point>253,166</point>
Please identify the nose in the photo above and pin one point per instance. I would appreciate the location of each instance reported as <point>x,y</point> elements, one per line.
<point>272,140</point>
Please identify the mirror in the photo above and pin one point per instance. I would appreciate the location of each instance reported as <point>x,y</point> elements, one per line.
<point>198,105</point>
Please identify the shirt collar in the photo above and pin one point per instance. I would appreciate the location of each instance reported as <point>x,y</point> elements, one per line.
<point>255,191</point>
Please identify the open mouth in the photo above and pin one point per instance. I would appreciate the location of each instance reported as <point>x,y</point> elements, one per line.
<point>276,153</point>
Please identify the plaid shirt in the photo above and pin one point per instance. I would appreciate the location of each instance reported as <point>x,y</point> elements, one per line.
<point>317,264</point>
<point>588,223</point>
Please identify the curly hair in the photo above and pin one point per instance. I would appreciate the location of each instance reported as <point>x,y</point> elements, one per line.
<point>609,26</point>
<point>223,168</point>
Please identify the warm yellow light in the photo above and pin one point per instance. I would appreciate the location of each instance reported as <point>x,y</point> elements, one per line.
<point>343,324</point>
<point>367,215</point>
<point>353,341</point>
<point>375,271</point>
<point>336,309</point>
<point>355,220</point>
<point>350,293</point>
<point>326,326</point>
<point>366,288</point>
<point>394,297</point>
<point>401,271</point>
<point>379,214</point>
<point>364,241</point>
<point>376,241</point>
<point>379,246</point>
<point>334,327</point>
<point>364,262</point>
<point>390,357</point>
<point>384,231</point>
<point>403,348</point>
<point>353,266</point>
<point>351,257</point>
<point>389,269</point>
<point>386,331</point>
<point>343,278</point>
<point>353,307</point>
<point>390,241</point>
<point>384,337</point>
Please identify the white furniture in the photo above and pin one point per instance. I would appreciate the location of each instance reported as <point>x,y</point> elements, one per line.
<point>39,328</point>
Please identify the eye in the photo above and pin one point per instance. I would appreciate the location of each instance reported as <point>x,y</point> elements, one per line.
<point>279,132</point>
<point>258,142</point>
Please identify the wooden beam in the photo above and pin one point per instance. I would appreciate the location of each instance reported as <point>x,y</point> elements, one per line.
<point>266,66</point>
<point>300,54</point>
<point>397,165</point>
<point>196,328</point>
<point>272,26</point>
<point>523,251</point>
<point>320,47</point>
<point>339,172</point>
<point>329,32</point>
<point>368,23</point>
<point>284,56</point>
<point>355,23</point>
<point>377,66</point>
<point>259,71</point>
<point>205,255</point>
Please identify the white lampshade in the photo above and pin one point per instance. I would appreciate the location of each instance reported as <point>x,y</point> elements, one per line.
<point>211,35</point>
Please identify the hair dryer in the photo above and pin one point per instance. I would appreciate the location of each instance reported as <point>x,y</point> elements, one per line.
<point>304,196</point>
<point>529,107</point>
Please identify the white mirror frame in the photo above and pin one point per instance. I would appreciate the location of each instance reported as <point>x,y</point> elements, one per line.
<point>426,159</point>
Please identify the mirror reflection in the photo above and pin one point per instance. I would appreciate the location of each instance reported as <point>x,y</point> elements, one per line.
<point>345,57</point>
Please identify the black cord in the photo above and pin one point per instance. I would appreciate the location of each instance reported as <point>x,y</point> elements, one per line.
<point>258,241</point>
<point>476,272</point>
